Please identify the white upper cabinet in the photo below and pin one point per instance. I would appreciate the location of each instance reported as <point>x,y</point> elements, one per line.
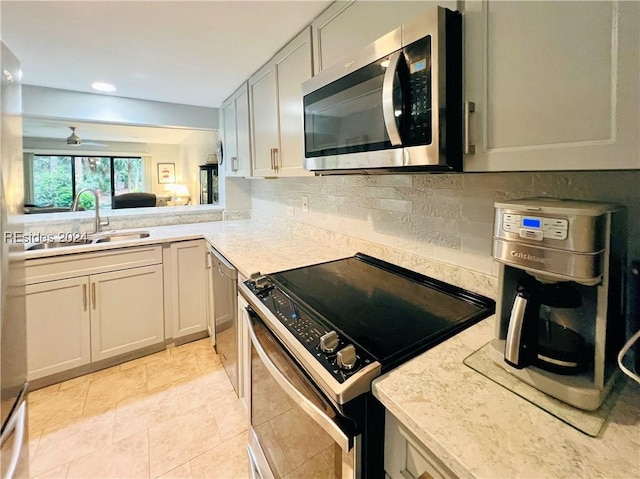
<point>228,134</point>
<point>242,166</point>
<point>234,118</point>
<point>293,67</point>
<point>275,95</point>
<point>555,85</point>
<point>264,120</point>
<point>345,27</point>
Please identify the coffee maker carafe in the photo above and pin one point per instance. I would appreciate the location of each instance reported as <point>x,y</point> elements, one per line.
<point>539,332</point>
<point>560,315</point>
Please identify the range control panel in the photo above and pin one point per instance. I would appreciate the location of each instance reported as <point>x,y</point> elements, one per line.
<point>535,227</point>
<point>335,353</point>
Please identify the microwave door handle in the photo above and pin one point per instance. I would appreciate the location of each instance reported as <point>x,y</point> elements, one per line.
<point>388,108</point>
<point>299,399</point>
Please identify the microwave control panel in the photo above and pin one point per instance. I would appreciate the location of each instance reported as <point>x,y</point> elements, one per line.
<point>418,57</point>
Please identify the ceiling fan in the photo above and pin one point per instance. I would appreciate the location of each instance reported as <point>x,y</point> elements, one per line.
<point>75,140</point>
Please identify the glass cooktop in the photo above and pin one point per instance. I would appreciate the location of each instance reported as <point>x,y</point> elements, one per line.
<point>390,312</point>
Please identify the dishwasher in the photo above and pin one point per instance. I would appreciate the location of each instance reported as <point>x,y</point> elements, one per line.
<point>225,314</point>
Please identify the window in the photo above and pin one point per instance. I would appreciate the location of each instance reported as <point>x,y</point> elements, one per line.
<point>55,180</point>
<point>51,181</point>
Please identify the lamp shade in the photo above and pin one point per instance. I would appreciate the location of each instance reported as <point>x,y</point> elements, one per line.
<point>181,190</point>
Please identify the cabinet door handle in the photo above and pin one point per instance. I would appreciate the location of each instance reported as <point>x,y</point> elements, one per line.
<point>469,148</point>
<point>84,296</point>
<point>275,159</point>
<point>234,163</point>
<point>271,151</point>
<point>93,295</point>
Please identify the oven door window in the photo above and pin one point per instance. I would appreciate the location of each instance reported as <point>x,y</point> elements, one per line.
<point>292,442</point>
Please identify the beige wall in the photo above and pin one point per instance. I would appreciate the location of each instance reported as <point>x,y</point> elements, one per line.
<point>445,217</point>
<point>193,152</point>
<point>187,156</point>
<point>163,154</point>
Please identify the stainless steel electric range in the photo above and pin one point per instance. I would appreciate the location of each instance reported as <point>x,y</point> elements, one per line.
<point>319,336</point>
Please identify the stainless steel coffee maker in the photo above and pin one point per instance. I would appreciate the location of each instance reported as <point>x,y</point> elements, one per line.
<point>560,311</point>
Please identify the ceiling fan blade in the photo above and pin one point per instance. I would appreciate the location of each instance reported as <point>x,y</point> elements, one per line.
<point>75,140</point>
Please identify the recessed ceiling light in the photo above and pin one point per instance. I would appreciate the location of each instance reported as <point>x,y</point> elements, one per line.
<point>101,86</point>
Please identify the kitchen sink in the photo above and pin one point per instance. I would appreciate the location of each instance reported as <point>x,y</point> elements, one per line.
<point>110,237</point>
<point>92,239</point>
<point>58,244</point>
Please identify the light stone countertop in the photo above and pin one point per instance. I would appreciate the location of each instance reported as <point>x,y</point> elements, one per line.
<point>476,427</point>
<point>250,245</point>
<point>480,429</point>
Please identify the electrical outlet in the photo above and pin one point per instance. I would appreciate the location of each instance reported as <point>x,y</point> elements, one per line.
<point>290,211</point>
<point>305,204</point>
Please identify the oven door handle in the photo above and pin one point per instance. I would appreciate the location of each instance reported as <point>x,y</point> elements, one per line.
<point>300,399</point>
<point>16,424</point>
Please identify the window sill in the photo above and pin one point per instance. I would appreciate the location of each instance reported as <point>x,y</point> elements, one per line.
<point>122,213</point>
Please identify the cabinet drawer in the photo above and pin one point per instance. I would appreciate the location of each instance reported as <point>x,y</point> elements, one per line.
<point>82,264</point>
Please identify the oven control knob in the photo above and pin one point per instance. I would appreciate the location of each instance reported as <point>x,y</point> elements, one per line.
<point>262,282</point>
<point>329,342</point>
<point>255,275</point>
<point>346,358</point>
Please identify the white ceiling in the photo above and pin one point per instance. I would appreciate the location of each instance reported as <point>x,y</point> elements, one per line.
<point>194,53</point>
<point>189,52</point>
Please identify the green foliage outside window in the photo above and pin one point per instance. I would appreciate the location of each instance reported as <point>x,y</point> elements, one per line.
<point>52,179</point>
<point>127,175</point>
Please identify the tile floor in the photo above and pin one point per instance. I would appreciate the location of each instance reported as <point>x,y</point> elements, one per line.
<point>172,414</point>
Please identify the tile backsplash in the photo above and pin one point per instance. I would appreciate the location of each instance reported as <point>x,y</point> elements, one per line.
<point>445,217</point>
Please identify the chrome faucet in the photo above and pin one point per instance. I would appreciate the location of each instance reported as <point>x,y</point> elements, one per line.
<point>98,224</point>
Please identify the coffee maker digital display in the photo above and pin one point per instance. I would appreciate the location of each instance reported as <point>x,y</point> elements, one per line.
<point>560,311</point>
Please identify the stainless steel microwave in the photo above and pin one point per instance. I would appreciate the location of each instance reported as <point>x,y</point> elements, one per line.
<point>396,106</point>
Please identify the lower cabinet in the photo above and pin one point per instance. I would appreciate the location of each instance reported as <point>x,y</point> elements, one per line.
<point>71,322</point>
<point>58,326</point>
<point>406,458</point>
<point>87,307</point>
<point>126,311</point>
<point>186,283</point>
